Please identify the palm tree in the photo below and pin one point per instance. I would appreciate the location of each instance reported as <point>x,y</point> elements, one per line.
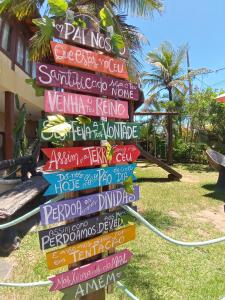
<point>26,8</point>
<point>167,73</point>
<point>40,42</point>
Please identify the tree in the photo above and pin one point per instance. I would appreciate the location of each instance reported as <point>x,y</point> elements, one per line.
<point>167,73</point>
<point>207,115</point>
<point>107,10</point>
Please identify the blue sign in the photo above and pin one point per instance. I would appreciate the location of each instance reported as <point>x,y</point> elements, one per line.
<point>64,182</point>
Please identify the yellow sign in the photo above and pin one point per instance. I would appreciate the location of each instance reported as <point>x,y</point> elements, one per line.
<point>89,248</point>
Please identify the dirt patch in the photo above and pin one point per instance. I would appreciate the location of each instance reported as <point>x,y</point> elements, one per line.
<point>6,267</point>
<point>213,216</point>
<point>190,179</point>
<point>174,214</point>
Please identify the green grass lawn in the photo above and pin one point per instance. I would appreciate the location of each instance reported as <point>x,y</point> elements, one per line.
<point>190,210</point>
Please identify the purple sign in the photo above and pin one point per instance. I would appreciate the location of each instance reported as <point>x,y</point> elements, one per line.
<point>67,210</point>
<point>72,79</point>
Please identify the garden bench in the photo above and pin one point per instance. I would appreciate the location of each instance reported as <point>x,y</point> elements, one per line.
<point>11,203</point>
<point>14,200</point>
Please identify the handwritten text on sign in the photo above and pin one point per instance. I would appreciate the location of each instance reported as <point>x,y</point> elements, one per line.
<point>80,230</point>
<point>92,285</point>
<point>64,182</point>
<point>89,271</point>
<point>89,248</point>
<point>89,60</point>
<point>77,157</point>
<point>67,210</point>
<point>71,79</point>
<point>86,37</point>
<point>97,130</point>
<point>77,104</point>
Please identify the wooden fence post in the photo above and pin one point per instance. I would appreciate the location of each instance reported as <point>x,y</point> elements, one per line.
<point>170,139</point>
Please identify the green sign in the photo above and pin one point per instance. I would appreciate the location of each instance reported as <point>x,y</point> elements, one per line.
<point>97,130</point>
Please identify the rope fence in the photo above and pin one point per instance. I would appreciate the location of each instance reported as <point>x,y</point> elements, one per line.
<point>28,215</point>
<point>131,212</point>
<point>46,283</point>
<point>167,238</point>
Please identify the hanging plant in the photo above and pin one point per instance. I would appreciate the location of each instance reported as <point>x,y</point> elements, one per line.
<point>81,23</point>
<point>57,123</point>
<point>106,20</point>
<point>83,120</point>
<point>128,185</point>
<point>39,91</point>
<point>58,8</point>
<point>109,151</point>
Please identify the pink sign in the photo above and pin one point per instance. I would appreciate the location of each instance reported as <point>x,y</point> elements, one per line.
<point>77,104</point>
<point>92,270</point>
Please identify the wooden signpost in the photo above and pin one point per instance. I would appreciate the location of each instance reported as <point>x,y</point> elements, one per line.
<point>80,230</point>
<point>72,181</point>
<point>89,248</point>
<point>78,157</point>
<point>84,240</point>
<point>97,84</point>
<point>77,104</point>
<point>86,37</point>
<point>92,285</point>
<point>89,271</point>
<point>85,59</point>
<point>96,131</point>
<point>68,210</point>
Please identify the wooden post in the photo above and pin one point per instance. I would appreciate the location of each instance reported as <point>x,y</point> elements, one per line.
<point>131,111</point>
<point>98,295</point>
<point>170,139</point>
<point>9,123</point>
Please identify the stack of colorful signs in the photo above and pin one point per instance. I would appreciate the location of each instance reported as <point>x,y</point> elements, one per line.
<point>88,236</point>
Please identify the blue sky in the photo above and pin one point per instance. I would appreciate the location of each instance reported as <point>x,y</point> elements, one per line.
<point>201,24</point>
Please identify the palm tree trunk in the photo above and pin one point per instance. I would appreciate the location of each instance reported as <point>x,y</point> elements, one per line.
<point>180,125</point>
<point>170,93</point>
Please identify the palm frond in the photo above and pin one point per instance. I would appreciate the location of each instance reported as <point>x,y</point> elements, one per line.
<point>40,42</point>
<point>20,8</point>
<point>139,7</point>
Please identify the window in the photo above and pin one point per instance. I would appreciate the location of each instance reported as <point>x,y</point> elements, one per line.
<point>27,62</point>
<point>20,51</point>
<point>33,69</point>
<point>6,37</point>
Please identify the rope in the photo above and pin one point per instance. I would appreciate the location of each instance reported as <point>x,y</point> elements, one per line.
<point>126,291</point>
<point>119,284</point>
<point>46,283</point>
<point>28,215</point>
<point>28,284</point>
<point>167,238</point>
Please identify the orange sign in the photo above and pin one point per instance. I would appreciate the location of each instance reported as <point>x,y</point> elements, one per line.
<point>86,59</point>
<point>89,248</point>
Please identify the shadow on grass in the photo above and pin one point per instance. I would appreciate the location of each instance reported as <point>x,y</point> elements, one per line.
<point>218,193</point>
<point>197,168</point>
<point>159,219</point>
<point>141,277</point>
<point>154,180</point>
<point>146,166</point>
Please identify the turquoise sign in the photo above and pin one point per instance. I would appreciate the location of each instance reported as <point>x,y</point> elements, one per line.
<point>64,182</point>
